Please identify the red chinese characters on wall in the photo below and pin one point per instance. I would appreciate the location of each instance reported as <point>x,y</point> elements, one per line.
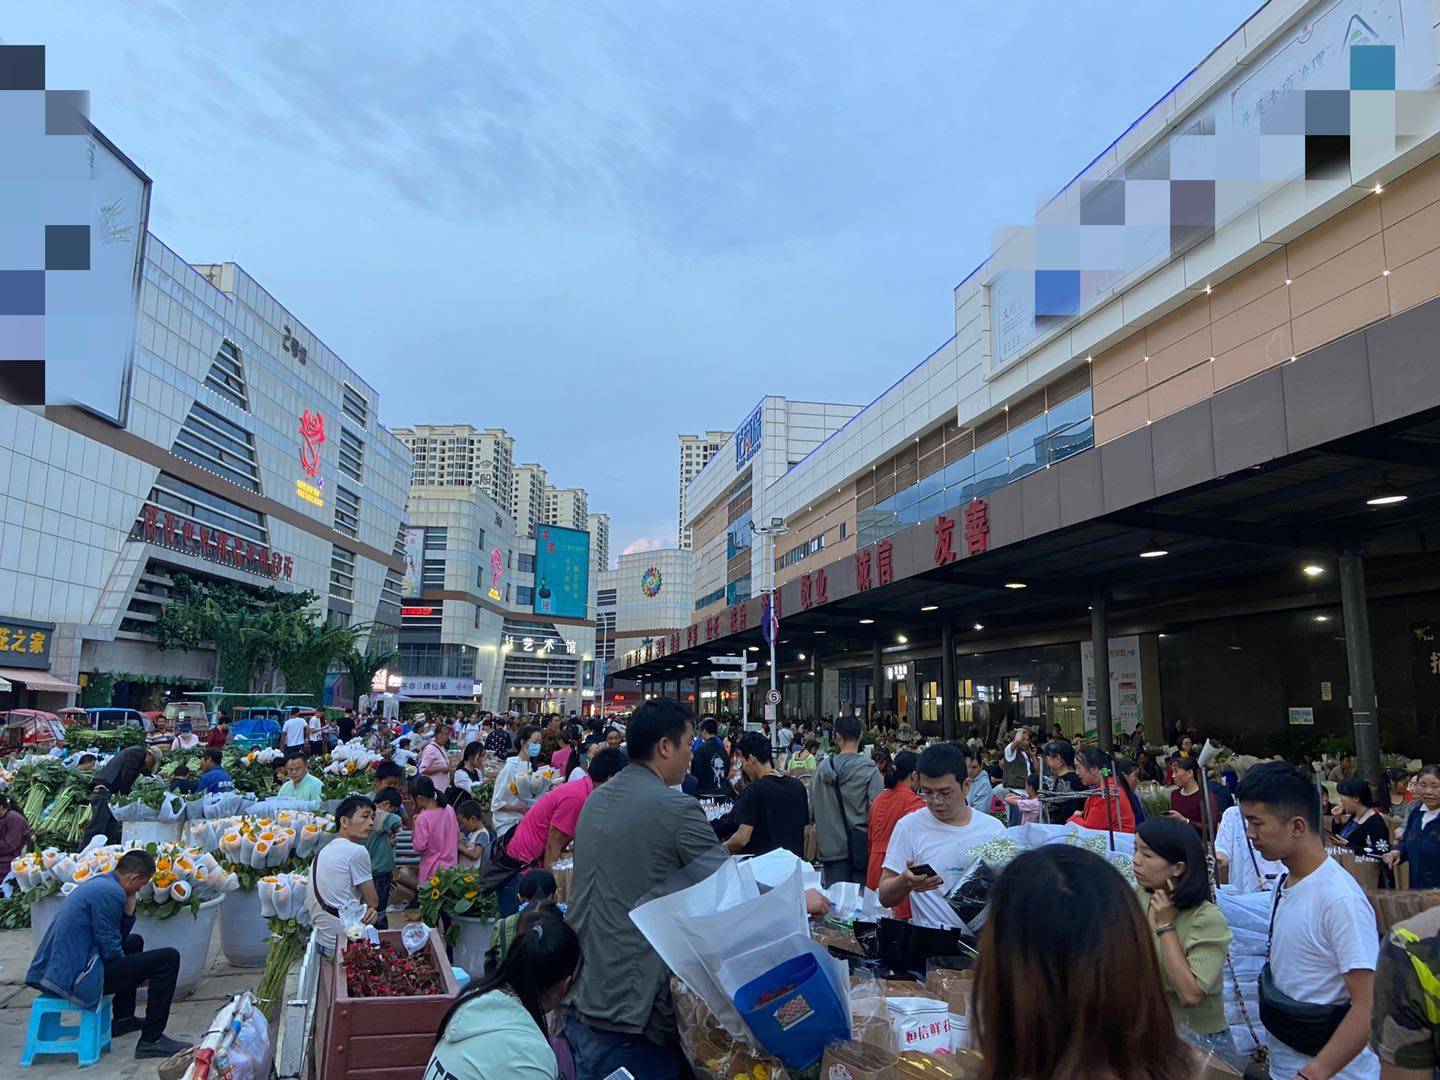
<point>675,643</point>
<point>822,587</point>
<point>884,562</point>
<point>712,628</point>
<point>944,540</point>
<point>660,647</point>
<point>692,635</point>
<point>165,528</point>
<point>977,526</point>
<point>862,569</point>
<point>806,597</point>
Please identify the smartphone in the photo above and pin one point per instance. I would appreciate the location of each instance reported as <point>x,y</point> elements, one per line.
<point>924,869</point>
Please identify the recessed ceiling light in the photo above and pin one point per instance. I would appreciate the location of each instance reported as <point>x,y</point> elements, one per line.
<point>819,632</point>
<point>979,626</point>
<point>1386,498</point>
<point>754,648</point>
<point>1311,570</point>
<point>1014,585</point>
<point>866,622</point>
<point>931,607</point>
<point>1153,552</point>
<point>902,639</point>
<point>1322,618</point>
<point>802,656</point>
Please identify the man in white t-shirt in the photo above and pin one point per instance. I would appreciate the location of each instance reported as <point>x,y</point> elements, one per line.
<point>295,732</point>
<point>1323,946</point>
<point>1248,870</point>
<point>940,837</point>
<point>342,870</point>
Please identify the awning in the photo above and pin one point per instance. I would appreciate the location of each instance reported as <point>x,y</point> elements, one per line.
<point>42,681</point>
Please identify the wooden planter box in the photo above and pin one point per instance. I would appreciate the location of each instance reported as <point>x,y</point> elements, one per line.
<point>387,1038</point>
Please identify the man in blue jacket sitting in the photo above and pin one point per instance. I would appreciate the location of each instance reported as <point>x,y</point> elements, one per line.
<point>89,952</point>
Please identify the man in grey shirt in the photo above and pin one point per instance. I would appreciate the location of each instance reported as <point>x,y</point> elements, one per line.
<point>636,833</point>
<point>858,783</point>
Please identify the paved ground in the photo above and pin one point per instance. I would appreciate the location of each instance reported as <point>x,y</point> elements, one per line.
<point>189,1018</point>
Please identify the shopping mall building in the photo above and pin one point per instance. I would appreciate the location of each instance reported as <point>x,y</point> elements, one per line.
<point>226,443</point>
<point>1190,414</point>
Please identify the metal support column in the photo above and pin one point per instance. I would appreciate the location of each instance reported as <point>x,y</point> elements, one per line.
<point>949,706</point>
<point>1100,643</point>
<point>1355,612</point>
<point>817,679</point>
<point>877,681</point>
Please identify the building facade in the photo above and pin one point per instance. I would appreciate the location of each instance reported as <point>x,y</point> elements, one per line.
<point>1166,463</point>
<point>569,507</point>
<point>459,455</point>
<point>695,453</point>
<point>527,503</point>
<point>250,453</point>
<point>598,525</point>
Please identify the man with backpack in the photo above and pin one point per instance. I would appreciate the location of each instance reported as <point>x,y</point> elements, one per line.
<point>844,786</point>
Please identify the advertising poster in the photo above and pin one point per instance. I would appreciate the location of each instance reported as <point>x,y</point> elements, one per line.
<point>562,571</point>
<point>414,557</point>
<point>1126,707</point>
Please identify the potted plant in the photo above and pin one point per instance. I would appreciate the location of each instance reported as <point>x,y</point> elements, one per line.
<point>456,892</point>
<point>378,1003</point>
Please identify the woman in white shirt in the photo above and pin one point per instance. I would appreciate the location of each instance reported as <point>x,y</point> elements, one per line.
<point>472,767</point>
<point>519,785</point>
<point>185,737</point>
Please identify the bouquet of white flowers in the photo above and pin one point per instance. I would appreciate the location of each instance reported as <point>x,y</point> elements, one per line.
<point>184,876</point>
<point>251,846</point>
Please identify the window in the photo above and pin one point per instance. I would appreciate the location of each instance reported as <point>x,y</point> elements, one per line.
<point>432,574</point>
<point>606,597</point>
<point>216,445</point>
<point>352,454</point>
<point>481,542</point>
<point>354,406</point>
<point>527,563</point>
<point>390,591</point>
<point>524,594</point>
<point>710,598</point>
<point>843,529</point>
<point>347,512</point>
<point>435,539</point>
<point>342,573</point>
<point>226,377</point>
<point>206,508</point>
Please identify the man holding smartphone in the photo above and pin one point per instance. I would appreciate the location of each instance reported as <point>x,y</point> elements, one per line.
<point>929,851</point>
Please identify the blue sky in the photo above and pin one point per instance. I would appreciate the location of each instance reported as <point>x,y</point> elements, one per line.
<point>602,224</point>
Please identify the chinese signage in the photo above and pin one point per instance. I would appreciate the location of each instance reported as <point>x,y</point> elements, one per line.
<point>540,646</point>
<point>417,612</point>
<point>425,686</point>
<point>25,644</point>
<point>167,529</point>
<point>1425,673</point>
<point>1125,700</point>
<point>747,437</point>
<point>562,572</point>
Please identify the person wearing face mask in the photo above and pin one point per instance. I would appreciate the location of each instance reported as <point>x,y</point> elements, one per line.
<point>496,1028</point>
<point>519,784</point>
<point>1419,844</point>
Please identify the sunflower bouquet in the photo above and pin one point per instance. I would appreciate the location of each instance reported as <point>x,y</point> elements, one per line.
<point>252,847</point>
<point>456,890</point>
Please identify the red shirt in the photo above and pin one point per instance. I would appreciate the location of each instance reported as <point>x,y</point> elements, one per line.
<point>215,737</point>
<point>889,807</point>
<point>1120,817</point>
<point>558,808</point>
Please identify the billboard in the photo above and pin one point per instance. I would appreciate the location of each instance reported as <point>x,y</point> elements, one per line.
<point>747,437</point>
<point>414,557</point>
<point>562,571</point>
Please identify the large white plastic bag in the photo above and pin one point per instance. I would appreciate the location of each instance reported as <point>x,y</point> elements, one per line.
<point>1037,834</point>
<point>662,922</point>
<point>772,868</point>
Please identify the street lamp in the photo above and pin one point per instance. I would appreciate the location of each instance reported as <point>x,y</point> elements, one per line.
<point>776,528</point>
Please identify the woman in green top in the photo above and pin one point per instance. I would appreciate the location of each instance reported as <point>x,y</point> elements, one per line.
<point>1192,937</point>
<point>806,760</point>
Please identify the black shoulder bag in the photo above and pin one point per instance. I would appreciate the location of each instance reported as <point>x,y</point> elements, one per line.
<point>857,839</point>
<point>1300,1025</point>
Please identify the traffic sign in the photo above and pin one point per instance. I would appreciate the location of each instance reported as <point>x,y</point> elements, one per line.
<point>728,659</point>
<point>772,697</point>
<point>730,675</point>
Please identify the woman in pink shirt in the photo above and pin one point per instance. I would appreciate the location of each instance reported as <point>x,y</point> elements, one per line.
<point>435,759</point>
<point>437,833</point>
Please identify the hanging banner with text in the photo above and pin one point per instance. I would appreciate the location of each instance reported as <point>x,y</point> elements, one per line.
<point>1125,703</point>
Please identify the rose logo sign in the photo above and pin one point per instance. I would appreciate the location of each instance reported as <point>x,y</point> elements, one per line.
<point>312,430</point>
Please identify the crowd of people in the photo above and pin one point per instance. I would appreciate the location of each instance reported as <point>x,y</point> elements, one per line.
<point>626,803</point>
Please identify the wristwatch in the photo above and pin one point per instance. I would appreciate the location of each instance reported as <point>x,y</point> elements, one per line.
<point>1167,928</point>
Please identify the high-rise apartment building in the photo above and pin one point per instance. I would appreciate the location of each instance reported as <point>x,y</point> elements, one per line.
<point>695,452</point>
<point>527,499</point>
<point>567,507</point>
<point>459,455</point>
<point>598,526</point>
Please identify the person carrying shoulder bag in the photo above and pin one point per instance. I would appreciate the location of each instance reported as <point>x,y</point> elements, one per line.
<point>844,786</point>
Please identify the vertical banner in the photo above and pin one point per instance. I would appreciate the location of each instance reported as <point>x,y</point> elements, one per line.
<point>414,556</point>
<point>562,572</point>
<point>1126,705</point>
<point>1425,668</point>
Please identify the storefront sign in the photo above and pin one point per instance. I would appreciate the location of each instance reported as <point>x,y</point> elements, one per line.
<point>312,434</point>
<point>542,646</point>
<point>290,344</point>
<point>562,572</point>
<point>25,644</point>
<point>416,612</point>
<point>897,672</point>
<point>747,437</point>
<point>311,493</point>
<point>424,686</point>
<point>1126,707</point>
<point>166,529</point>
<point>1425,674</point>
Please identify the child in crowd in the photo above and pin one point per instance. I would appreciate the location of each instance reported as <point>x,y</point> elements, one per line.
<point>536,887</point>
<point>437,834</point>
<point>181,782</point>
<point>474,844</point>
<point>390,775</point>
<point>381,846</point>
<point>1029,803</point>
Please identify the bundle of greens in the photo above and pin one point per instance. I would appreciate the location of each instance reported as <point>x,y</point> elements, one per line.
<point>84,737</point>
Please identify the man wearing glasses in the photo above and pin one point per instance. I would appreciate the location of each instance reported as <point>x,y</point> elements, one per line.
<point>930,849</point>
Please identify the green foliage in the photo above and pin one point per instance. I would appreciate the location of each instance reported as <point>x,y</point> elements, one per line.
<point>83,737</point>
<point>99,690</point>
<point>15,911</point>
<point>456,890</point>
<point>362,666</point>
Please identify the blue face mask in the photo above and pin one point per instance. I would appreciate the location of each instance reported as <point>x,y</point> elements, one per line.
<point>532,749</point>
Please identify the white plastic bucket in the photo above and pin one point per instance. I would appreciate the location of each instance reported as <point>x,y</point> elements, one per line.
<point>42,913</point>
<point>472,941</point>
<point>189,934</point>
<point>140,833</point>
<point>244,937</point>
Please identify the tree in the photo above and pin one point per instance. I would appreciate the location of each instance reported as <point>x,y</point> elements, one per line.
<point>362,666</point>
<point>309,650</point>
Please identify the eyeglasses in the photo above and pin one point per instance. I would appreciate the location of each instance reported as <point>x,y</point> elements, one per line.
<point>943,795</point>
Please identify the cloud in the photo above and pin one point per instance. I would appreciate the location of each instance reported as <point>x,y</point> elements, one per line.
<point>643,543</point>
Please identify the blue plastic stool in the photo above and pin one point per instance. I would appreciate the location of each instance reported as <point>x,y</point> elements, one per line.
<point>49,1034</point>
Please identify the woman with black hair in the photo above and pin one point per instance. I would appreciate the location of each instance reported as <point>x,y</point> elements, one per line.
<point>1360,826</point>
<point>1192,937</point>
<point>496,1028</point>
<point>470,771</point>
<point>1108,806</point>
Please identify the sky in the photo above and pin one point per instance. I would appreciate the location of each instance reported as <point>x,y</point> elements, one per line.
<point>602,224</point>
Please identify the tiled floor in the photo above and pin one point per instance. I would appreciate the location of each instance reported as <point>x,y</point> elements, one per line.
<point>189,1018</point>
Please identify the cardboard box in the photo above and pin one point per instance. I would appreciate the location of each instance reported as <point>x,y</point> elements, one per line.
<point>955,988</point>
<point>1396,905</point>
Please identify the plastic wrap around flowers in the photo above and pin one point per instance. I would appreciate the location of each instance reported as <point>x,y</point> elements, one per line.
<point>262,757</point>
<point>350,757</point>
<point>249,843</point>
<point>183,875</point>
<point>282,896</point>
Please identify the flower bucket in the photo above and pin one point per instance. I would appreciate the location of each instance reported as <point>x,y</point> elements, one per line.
<point>472,941</point>
<point>188,934</point>
<point>793,1011</point>
<point>42,913</point>
<point>244,937</point>
<point>139,833</point>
